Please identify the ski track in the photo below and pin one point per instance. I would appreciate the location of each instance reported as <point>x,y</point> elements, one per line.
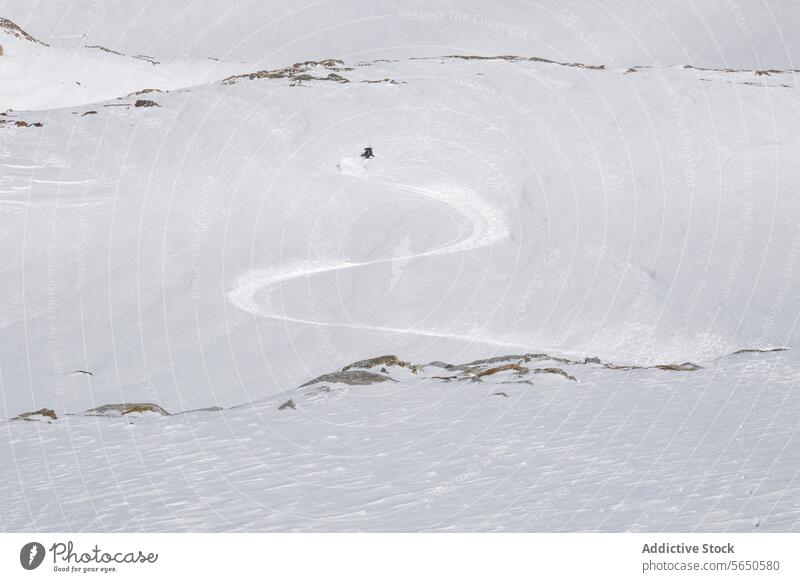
<point>488,227</point>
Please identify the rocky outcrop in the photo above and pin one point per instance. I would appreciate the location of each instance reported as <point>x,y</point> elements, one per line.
<point>144,92</point>
<point>145,103</point>
<point>351,377</point>
<point>556,371</point>
<point>299,72</point>
<point>477,373</point>
<point>126,408</point>
<point>515,58</point>
<point>206,409</point>
<point>104,49</point>
<point>10,28</point>
<point>383,361</point>
<point>41,414</point>
<point>289,404</point>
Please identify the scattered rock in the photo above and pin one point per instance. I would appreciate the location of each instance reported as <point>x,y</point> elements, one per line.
<point>387,81</point>
<point>389,360</point>
<point>40,414</point>
<point>352,377</point>
<point>298,72</point>
<point>126,408</point>
<point>490,371</point>
<point>146,103</point>
<point>288,404</point>
<point>514,58</point>
<point>758,351</point>
<point>557,371</point>
<point>104,49</point>
<point>207,409</point>
<point>684,367</point>
<point>144,92</point>
<point>150,60</point>
<point>13,29</point>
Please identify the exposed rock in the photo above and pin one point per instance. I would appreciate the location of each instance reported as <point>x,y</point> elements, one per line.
<point>497,359</point>
<point>145,103</point>
<point>38,415</point>
<point>9,27</point>
<point>503,394</point>
<point>515,58</point>
<point>477,373</point>
<point>298,72</point>
<point>440,364</point>
<point>150,60</point>
<point>207,409</point>
<point>21,123</point>
<point>758,351</point>
<point>490,371</point>
<point>557,371</point>
<point>389,360</point>
<point>1,50</point>
<point>387,81</point>
<point>685,367</point>
<point>352,377</point>
<point>126,408</point>
<point>144,92</point>
<point>288,404</point>
<point>104,49</point>
<point>88,113</point>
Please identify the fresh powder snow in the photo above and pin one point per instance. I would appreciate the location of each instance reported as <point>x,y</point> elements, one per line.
<point>563,295</point>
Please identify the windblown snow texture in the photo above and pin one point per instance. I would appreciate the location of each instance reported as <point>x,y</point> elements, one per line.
<point>194,249</point>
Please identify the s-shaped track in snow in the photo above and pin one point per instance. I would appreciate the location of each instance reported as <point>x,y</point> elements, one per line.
<point>487,227</point>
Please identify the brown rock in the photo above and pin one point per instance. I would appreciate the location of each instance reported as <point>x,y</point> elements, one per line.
<point>49,413</point>
<point>126,408</point>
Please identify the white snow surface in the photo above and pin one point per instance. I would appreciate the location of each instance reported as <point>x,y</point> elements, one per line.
<point>641,450</point>
<point>228,245</point>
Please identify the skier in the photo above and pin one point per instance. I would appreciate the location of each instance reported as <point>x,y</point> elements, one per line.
<point>368,153</point>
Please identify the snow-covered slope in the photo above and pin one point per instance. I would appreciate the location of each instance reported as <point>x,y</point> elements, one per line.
<point>638,450</point>
<point>221,245</point>
<point>755,34</point>
<point>198,234</point>
<point>35,76</point>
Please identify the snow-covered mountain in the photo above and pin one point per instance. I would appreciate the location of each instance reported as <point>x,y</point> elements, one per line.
<point>199,233</point>
<point>722,33</point>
